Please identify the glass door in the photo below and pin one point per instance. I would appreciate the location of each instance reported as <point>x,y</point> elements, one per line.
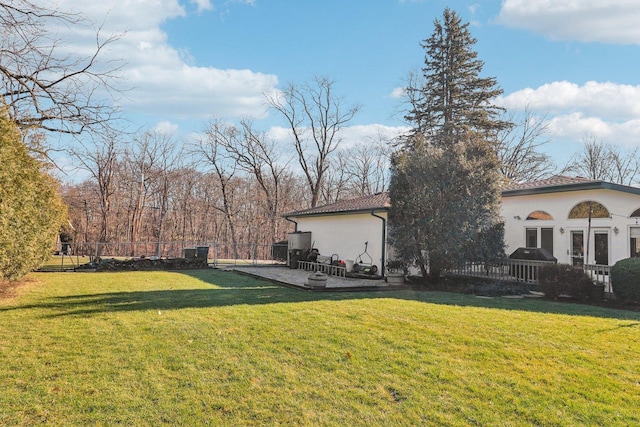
<point>577,248</point>
<point>601,244</point>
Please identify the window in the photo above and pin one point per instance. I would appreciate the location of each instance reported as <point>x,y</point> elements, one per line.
<point>542,235</point>
<point>546,239</point>
<point>531,238</point>
<point>539,216</point>
<point>636,213</point>
<point>634,237</point>
<point>581,210</point>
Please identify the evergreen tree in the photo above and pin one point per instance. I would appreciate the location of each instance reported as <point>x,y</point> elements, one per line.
<point>445,195</point>
<point>31,211</point>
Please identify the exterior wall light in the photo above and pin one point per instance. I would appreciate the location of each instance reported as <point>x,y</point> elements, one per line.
<point>616,230</point>
<point>561,230</point>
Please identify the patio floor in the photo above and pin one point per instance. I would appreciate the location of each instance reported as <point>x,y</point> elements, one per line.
<point>298,278</point>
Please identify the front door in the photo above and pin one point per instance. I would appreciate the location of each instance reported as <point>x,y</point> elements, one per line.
<point>601,243</point>
<point>577,248</point>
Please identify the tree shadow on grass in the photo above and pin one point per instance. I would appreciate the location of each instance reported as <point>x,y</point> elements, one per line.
<point>229,289</point>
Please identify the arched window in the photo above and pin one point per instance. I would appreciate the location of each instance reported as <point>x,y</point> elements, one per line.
<point>635,213</point>
<point>539,215</point>
<point>581,210</point>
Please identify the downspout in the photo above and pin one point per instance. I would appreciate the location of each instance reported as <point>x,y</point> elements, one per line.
<point>384,240</point>
<point>294,222</point>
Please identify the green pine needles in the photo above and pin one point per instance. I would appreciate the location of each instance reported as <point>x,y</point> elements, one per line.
<point>445,185</point>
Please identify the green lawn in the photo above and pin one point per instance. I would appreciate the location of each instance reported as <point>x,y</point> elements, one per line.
<point>215,348</point>
<point>66,262</point>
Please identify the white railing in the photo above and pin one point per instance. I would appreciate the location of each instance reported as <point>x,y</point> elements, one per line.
<point>527,271</point>
<point>600,274</point>
<point>514,270</point>
<point>331,270</point>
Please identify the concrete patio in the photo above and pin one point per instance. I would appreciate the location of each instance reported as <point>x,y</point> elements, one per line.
<point>298,278</point>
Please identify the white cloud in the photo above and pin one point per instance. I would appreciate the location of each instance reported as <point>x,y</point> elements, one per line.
<point>166,128</point>
<point>203,4</point>
<point>398,93</point>
<point>351,135</point>
<point>608,100</point>
<point>161,78</point>
<point>366,134</point>
<point>576,127</point>
<point>279,133</point>
<point>611,21</point>
<point>608,111</point>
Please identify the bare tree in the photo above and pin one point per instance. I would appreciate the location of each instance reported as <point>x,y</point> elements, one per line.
<point>605,162</point>
<point>626,165</point>
<point>336,182</point>
<point>99,157</point>
<point>43,86</point>
<point>594,161</point>
<point>255,154</point>
<point>519,149</point>
<point>368,166</point>
<point>210,151</point>
<point>149,162</point>
<point>315,116</point>
<point>169,161</point>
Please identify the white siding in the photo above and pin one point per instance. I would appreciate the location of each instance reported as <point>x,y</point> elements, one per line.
<point>345,235</point>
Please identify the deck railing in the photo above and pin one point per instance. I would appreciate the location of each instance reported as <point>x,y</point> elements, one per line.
<point>331,270</point>
<point>513,270</point>
<point>518,270</point>
<point>600,274</point>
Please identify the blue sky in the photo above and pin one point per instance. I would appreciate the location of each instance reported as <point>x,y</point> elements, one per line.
<point>575,63</point>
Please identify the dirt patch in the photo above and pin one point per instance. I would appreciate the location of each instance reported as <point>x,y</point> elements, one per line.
<point>8,288</point>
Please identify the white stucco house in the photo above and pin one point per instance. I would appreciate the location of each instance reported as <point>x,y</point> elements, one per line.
<point>578,220</point>
<point>346,227</point>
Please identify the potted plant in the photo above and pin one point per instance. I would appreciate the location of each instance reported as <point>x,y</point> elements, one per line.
<point>395,272</point>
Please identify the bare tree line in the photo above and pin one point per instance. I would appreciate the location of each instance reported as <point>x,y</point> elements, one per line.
<point>230,185</point>
<point>233,183</point>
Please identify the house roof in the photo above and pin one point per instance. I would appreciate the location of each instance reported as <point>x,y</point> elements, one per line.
<point>381,201</point>
<point>375,202</point>
<point>560,183</point>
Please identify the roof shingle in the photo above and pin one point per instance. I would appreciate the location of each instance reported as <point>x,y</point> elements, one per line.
<point>554,181</point>
<point>382,202</point>
<point>379,201</point>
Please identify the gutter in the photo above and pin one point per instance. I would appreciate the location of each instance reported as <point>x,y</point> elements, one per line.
<point>384,240</point>
<point>294,222</point>
<point>592,185</point>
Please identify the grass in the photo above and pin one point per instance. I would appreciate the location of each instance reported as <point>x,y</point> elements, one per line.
<point>214,348</point>
<point>64,262</point>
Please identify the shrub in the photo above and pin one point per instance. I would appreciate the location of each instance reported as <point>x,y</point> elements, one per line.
<point>31,212</point>
<point>625,279</point>
<point>397,266</point>
<point>563,279</point>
